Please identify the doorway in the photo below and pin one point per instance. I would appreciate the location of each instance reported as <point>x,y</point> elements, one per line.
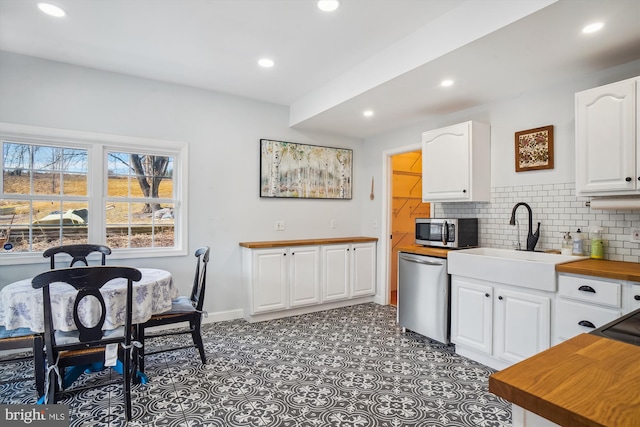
<point>406,206</point>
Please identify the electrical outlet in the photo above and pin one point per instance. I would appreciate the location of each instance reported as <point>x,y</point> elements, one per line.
<point>635,234</point>
<point>279,225</point>
<point>333,223</point>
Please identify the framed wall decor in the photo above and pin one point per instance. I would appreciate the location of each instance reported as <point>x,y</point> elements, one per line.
<point>292,170</point>
<point>534,149</point>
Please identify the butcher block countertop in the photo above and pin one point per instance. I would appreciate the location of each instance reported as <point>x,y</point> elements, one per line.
<point>584,381</point>
<point>306,242</point>
<point>424,250</point>
<point>602,268</point>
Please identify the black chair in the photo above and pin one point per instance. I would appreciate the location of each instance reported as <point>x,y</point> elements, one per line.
<point>183,309</point>
<point>78,253</point>
<point>87,345</point>
<point>24,338</point>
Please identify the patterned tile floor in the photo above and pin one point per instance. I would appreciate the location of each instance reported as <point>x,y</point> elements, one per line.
<point>346,367</point>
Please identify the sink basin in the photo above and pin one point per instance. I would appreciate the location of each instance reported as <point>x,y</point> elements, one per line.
<point>535,270</point>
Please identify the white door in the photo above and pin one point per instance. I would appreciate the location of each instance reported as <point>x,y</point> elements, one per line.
<point>363,267</point>
<point>606,139</point>
<point>472,315</point>
<point>304,275</point>
<point>270,280</point>
<point>445,163</point>
<point>335,273</point>
<point>522,324</point>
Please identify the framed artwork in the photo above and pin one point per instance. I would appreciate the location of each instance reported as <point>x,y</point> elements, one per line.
<point>534,149</point>
<point>301,171</point>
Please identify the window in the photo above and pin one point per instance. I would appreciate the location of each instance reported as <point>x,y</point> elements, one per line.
<point>62,187</point>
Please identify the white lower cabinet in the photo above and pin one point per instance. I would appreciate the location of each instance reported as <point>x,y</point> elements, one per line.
<point>348,271</point>
<point>304,276</point>
<point>522,324</point>
<point>584,303</point>
<point>297,277</point>
<point>498,325</point>
<point>285,277</point>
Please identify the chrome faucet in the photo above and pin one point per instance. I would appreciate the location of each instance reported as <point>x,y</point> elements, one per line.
<point>532,238</point>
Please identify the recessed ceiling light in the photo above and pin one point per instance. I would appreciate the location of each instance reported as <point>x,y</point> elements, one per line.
<point>265,62</point>
<point>367,113</point>
<point>52,9</point>
<point>446,83</point>
<point>592,28</point>
<point>328,5</point>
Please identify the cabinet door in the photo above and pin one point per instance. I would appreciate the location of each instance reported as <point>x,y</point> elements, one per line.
<point>606,139</point>
<point>445,163</point>
<point>522,324</point>
<point>335,272</point>
<point>270,280</point>
<point>363,269</point>
<point>472,315</point>
<point>304,276</point>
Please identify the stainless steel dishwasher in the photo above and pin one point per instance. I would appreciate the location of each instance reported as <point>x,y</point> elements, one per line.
<point>423,295</point>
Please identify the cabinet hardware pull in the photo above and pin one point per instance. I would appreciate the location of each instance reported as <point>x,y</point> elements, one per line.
<point>586,288</point>
<point>464,191</point>
<point>293,253</point>
<point>587,324</point>
<point>487,295</point>
<point>628,179</point>
<point>636,297</point>
<point>500,297</point>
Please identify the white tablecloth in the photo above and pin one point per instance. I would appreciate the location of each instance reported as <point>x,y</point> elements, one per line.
<point>21,305</point>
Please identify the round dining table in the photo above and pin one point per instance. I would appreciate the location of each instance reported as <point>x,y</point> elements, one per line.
<point>21,306</point>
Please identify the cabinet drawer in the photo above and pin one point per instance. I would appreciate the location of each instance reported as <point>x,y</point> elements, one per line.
<point>590,290</point>
<point>570,315</point>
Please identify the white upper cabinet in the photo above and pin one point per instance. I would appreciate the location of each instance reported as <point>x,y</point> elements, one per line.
<point>456,163</point>
<point>607,162</point>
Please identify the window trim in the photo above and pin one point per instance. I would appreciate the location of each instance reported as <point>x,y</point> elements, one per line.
<point>97,145</point>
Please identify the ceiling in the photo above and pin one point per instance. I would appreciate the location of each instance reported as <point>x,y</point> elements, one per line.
<point>385,55</point>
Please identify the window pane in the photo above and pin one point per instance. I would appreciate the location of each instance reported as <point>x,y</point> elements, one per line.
<point>75,184</point>
<point>16,168</point>
<point>132,225</point>
<point>50,168</point>
<point>139,175</point>
<point>16,181</point>
<point>14,225</point>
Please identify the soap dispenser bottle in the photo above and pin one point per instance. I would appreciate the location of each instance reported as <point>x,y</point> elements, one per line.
<point>567,244</point>
<point>578,246</point>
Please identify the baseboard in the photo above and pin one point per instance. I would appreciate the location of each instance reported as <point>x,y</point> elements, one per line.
<point>222,316</point>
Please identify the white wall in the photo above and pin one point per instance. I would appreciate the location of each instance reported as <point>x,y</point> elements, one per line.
<point>223,134</point>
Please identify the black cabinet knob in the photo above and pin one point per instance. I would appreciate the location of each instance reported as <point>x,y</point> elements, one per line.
<point>487,295</point>
<point>464,191</point>
<point>636,297</point>
<point>500,298</point>
<point>628,179</point>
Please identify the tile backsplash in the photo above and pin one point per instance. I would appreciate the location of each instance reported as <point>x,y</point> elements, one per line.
<point>558,210</point>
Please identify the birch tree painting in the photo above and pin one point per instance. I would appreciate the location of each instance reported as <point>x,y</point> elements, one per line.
<point>295,170</point>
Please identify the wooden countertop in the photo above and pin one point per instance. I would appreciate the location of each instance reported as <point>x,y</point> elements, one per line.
<point>602,268</point>
<point>425,250</point>
<point>584,381</point>
<point>306,242</point>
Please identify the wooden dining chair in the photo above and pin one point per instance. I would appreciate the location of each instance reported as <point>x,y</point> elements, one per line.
<point>24,338</point>
<point>69,352</point>
<point>78,253</point>
<point>183,309</point>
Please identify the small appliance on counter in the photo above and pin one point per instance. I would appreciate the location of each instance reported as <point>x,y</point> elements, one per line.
<point>447,232</point>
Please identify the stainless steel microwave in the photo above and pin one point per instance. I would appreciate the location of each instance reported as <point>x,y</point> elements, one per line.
<point>447,232</point>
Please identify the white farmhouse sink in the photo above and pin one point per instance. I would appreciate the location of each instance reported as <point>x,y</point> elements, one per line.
<point>535,270</point>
